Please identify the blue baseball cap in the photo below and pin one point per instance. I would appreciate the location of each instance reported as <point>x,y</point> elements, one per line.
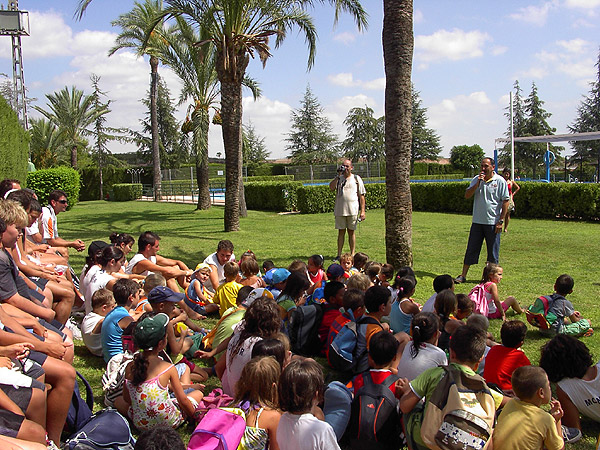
<point>164,294</point>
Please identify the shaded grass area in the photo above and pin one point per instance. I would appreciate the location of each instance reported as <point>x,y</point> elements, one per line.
<point>533,253</point>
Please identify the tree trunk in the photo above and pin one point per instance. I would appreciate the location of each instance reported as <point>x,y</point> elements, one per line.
<point>101,182</point>
<point>74,156</point>
<point>398,55</point>
<point>154,126</point>
<point>243,209</point>
<point>231,114</point>
<point>201,121</point>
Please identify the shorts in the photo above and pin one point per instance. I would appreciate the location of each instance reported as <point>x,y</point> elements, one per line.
<point>346,222</point>
<point>21,396</point>
<point>10,423</point>
<point>195,306</point>
<point>498,314</point>
<point>197,344</point>
<point>39,282</point>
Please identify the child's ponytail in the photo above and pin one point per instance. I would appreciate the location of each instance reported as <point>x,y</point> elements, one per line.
<point>406,287</point>
<point>423,327</point>
<point>140,368</point>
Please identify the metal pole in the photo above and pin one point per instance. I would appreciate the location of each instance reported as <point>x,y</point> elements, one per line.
<point>512,139</point>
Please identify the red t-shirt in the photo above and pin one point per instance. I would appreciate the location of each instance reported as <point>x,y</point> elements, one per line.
<point>330,314</point>
<point>501,362</point>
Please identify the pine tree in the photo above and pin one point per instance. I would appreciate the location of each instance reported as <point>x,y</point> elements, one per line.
<point>172,150</point>
<point>311,140</point>
<point>425,142</point>
<point>535,125</point>
<point>588,119</point>
<point>365,135</point>
<point>254,150</point>
<point>519,121</point>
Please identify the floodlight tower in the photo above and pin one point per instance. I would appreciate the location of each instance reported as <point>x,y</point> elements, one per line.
<point>15,23</point>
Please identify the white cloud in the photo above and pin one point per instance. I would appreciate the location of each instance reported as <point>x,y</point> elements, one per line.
<point>583,4</point>
<point>575,45</point>
<point>418,16</point>
<point>345,37</point>
<point>452,45</point>
<point>536,15</point>
<point>347,80</point>
<point>499,50</point>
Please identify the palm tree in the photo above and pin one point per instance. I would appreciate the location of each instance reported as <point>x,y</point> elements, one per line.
<point>398,54</point>
<point>239,29</point>
<point>72,112</point>
<point>134,27</point>
<point>44,143</point>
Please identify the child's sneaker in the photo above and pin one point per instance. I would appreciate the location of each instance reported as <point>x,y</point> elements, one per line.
<point>570,435</point>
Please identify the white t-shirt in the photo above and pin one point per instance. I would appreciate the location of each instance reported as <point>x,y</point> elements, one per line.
<point>305,432</point>
<point>214,261</point>
<point>428,306</point>
<point>85,279</point>
<point>429,356</point>
<point>33,229</point>
<point>98,280</point>
<point>49,224</point>
<point>585,395</point>
<point>346,196</point>
<point>92,341</point>
<point>236,362</point>
<point>136,259</point>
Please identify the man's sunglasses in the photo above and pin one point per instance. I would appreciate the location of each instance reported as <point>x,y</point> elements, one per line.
<point>64,202</point>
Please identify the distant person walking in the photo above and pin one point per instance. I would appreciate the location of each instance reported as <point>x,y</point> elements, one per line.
<point>349,204</point>
<point>513,188</point>
<point>490,206</point>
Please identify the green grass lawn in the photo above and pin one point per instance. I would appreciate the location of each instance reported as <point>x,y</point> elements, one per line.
<point>533,253</point>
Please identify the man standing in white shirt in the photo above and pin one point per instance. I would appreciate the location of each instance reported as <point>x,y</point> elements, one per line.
<point>349,204</point>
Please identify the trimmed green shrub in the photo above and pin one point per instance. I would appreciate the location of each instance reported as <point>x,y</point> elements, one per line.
<point>14,145</point>
<point>272,196</point>
<point>124,192</point>
<point>419,168</point>
<point>90,180</point>
<point>269,178</point>
<point>315,199</point>
<point>45,181</point>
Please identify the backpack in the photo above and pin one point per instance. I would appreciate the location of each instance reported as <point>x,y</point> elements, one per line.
<point>478,295</point>
<point>114,377</point>
<point>348,350</point>
<point>80,410</point>
<point>304,326</point>
<point>107,429</point>
<point>219,429</point>
<point>374,420</point>
<point>537,314</point>
<point>460,413</point>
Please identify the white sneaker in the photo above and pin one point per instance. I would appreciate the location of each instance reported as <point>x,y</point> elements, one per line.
<point>72,325</point>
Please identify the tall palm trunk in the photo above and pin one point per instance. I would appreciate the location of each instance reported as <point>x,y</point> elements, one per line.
<point>74,156</point>
<point>398,54</point>
<point>231,114</point>
<point>154,126</point>
<point>201,121</point>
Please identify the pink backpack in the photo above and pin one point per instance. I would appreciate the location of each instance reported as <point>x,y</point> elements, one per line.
<point>478,295</point>
<point>220,429</point>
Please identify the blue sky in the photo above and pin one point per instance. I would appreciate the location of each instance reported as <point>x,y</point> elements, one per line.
<point>467,56</point>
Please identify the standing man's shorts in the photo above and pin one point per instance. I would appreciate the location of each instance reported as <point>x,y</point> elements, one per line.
<point>346,222</point>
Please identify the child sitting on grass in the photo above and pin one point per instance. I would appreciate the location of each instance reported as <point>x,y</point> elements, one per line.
<point>148,380</point>
<point>466,350</point>
<point>522,424</point>
<point>568,320</point>
<point>354,308</point>
<point>301,388</point>
<point>197,297</point>
<point>143,305</point>
<point>250,272</point>
<point>102,303</point>
<point>440,283</point>
<point>226,294</point>
<point>404,308</point>
<point>334,295</point>
<point>491,306</point>
<point>502,360</point>
<point>347,262</point>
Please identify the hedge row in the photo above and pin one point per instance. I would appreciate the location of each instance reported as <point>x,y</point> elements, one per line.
<point>14,144</point>
<point>124,192</point>
<point>272,195</point>
<point>534,200</point>
<point>45,181</point>
<point>90,180</point>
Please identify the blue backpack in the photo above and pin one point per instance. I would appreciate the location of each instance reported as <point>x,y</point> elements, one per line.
<point>80,410</point>
<point>348,350</point>
<point>106,430</point>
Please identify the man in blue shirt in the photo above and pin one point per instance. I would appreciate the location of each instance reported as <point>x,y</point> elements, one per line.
<point>490,205</point>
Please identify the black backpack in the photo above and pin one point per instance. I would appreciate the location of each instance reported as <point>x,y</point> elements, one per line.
<point>80,410</point>
<point>375,420</point>
<point>304,326</point>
